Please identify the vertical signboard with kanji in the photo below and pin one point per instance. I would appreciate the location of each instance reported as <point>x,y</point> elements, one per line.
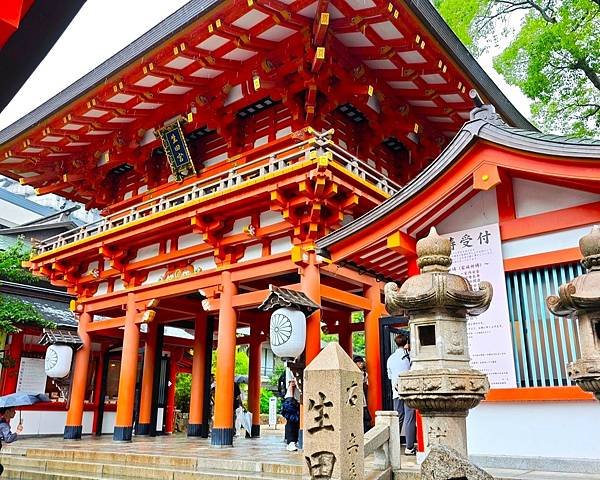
<point>477,256</point>
<point>178,155</point>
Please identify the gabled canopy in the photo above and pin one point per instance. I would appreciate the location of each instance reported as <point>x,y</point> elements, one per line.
<point>472,162</point>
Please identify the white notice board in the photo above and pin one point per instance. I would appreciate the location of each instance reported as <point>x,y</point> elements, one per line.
<point>32,375</point>
<point>477,256</point>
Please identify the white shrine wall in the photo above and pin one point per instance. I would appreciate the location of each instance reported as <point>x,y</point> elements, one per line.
<point>566,429</point>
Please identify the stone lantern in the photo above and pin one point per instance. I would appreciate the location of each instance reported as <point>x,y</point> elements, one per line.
<point>440,384</point>
<point>581,297</point>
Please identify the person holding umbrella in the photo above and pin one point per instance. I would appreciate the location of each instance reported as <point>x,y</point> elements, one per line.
<point>6,415</point>
<point>8,406</point>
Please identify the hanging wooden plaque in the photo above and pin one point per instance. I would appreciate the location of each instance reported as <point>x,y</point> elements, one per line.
<point>177,151</point>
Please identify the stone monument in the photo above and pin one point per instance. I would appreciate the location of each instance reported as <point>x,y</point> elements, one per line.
<point>440,384</point>
<point>333,409</point>
<point>581,298</point>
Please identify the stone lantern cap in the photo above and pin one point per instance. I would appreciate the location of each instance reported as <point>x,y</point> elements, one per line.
<point>583,292</point>
<point>283,297</point>
<point>435,286</point>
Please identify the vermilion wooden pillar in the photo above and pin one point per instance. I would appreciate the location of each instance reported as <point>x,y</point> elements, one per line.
<point>144,424</point>
<point>195,425</point>
<point>127,379</point>
<point>311,286</point>
<point>254,379</point>
<point>345,335</point>
<point>100,361</point>
<point>11,375</point>
<point>170,410</point>
<point>79,383</point>
<point>372,347</point>
<point>222,432</point>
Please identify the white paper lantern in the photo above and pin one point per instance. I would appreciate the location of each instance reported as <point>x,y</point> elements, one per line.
<point>288,332</point>
<point>58,361</point>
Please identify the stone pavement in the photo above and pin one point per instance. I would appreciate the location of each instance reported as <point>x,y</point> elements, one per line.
<point>265,457</point>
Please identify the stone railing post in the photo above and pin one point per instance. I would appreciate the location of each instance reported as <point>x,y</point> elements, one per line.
<point>581,298</point>
<point>392,448</point>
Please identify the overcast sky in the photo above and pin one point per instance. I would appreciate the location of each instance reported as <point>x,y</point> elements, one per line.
<point>101,29</point>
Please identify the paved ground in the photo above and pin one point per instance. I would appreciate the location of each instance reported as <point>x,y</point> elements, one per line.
<point>269,448</point>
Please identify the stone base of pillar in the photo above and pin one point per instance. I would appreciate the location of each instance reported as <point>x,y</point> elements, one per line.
<point>123,434</point>
<point>72,432</point>
<point>255,431</point>
<point>221,437</point>
<point>197,430</point>
<point>142,429</point>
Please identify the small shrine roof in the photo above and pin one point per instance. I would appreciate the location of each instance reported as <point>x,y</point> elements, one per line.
<point>65,337</point>
<point>284,297</point>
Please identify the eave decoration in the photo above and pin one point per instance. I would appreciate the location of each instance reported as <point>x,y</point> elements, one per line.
<point>176,148</point>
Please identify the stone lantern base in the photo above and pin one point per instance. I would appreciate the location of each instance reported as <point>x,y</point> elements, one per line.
<point>585,373</point>
<point>443,397</point>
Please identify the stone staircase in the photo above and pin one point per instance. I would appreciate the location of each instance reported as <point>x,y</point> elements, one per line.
<point>69,464</point>
<point>63,464</point>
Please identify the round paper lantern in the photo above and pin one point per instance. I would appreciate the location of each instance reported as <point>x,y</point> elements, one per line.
<point>288,332</point>
<point>58,361</point>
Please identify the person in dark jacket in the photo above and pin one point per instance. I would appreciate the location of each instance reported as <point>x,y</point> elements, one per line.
<point>290,410</point>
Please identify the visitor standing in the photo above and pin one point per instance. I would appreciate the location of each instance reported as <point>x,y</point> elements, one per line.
<point>360,363</point>
<point>6,415</point>
<point>399,362</point>
<point>290,410</point>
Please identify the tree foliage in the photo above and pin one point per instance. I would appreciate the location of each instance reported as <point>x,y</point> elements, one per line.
<point>550,50</point>
<point>10,264</point>
<point>15,312</point>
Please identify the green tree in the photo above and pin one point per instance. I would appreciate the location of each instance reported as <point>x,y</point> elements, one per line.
<point>183,388</point>
<point>550,50</point>
<point>15,312</point>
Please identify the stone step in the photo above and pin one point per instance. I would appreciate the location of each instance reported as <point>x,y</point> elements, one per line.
<point>49,468</point>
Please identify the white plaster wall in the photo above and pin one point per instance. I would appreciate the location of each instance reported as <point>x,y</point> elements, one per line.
<point>154,275</point>
<point>546,242</point>
<point>214,160</point>
<point>206,263</point>
<point>102,289</point>
<point>38,422</point>
<point>189,240</point>
<point>532,198</point>
<point>147,252</point>
<point>261,141</point>
<point>283,132</point>
<point>482,209</point>
<point>252,252</point>
<point>118,285</point>
<point>281,245</point>
<point>270,218</point>
<point>108,422</point>
<point>535,429</point>
<point>238,226</point>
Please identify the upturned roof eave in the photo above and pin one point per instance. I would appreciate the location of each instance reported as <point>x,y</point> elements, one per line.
<point>195,9</point>
<point>502,135</point>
